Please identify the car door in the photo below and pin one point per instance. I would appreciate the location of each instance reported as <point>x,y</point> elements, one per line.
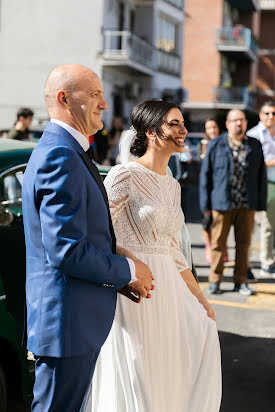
<point>12,242</point>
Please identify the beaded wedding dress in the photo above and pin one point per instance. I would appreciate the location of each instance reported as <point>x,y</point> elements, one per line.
<point>162,354</point>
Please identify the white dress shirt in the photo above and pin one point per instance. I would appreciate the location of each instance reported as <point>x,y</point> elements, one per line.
<point>261,133</point>
<point>84,143</point>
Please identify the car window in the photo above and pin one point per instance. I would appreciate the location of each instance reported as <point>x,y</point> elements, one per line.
<point>11,186</point>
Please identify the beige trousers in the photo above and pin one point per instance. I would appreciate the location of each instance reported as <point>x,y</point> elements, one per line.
<point>243,222</point>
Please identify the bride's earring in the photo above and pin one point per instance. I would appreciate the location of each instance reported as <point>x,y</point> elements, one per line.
<point>154,140</point>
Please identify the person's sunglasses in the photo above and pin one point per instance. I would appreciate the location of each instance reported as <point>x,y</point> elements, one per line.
<point>267,114</point>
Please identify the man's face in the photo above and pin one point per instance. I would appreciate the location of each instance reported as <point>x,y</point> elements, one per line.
<point>236,124</point>
<point>267,116</point>
<point>87,103</point>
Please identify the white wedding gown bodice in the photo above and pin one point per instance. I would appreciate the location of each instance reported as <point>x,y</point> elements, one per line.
<point>163,354</point>
<point>146,220</point>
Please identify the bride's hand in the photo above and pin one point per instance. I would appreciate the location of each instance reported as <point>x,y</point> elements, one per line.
<point>207,307</point>
<point>210,311</point>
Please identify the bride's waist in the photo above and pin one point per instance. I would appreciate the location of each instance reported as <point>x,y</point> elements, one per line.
<point>148,249</point>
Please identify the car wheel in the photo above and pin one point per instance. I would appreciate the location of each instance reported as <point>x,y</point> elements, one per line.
<point>3,391</point>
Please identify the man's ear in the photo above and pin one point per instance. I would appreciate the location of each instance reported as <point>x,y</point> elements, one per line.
<point>62,97</point>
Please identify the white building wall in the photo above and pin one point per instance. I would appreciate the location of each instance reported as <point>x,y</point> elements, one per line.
<point>37,35</point>
<point>40,34</point>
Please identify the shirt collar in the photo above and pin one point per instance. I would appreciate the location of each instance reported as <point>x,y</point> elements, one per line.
<point>263,128</point>
<point>75,133</point>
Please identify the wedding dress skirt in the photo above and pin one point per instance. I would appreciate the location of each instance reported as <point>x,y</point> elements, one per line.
<point>162,355</point>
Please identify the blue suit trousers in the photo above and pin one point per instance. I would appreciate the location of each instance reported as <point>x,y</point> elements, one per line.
<point>62,383</point>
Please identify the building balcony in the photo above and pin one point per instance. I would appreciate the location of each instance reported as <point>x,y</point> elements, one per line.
<point>237,42</point>
<point>245,5</point>
<point>234,97</point>
<point>225,98</point>
<point>128,52</point>
<point>168,62</point>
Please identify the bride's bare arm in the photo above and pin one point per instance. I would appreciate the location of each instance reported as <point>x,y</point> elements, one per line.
<point>194,288</point>
<point>121,251</point>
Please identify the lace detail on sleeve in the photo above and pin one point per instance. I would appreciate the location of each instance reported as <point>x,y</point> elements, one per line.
<point>177,255</point>
<point>118,187</point>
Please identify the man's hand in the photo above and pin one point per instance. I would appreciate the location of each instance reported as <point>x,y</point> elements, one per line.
<point>141,288</point>
<point>144,283</point>
<point>125,291</point>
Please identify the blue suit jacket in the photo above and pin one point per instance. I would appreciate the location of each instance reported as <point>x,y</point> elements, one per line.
<point>69,250</point>
<point>217,174</point>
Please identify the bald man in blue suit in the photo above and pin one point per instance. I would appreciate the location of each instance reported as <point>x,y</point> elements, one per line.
<point>74,267</point>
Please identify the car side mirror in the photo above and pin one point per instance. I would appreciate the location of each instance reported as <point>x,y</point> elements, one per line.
<point>6,217</point>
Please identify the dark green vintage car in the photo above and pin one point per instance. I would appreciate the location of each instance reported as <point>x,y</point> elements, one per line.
<point>16,364</point>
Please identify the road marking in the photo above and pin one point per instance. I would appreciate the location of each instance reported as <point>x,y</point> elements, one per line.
<point>264,299</point>
<point>232,304</point>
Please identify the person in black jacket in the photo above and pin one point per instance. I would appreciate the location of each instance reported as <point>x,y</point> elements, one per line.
<point>232,186</point>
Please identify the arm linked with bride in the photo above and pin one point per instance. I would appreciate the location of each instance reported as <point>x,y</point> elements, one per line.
<point>140,288</point>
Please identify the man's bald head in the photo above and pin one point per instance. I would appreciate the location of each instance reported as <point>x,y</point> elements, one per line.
<point>232,112</point>
<point>64,77</point>
<point>74,95</point>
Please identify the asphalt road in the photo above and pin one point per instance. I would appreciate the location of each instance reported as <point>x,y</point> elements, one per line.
<point>246,325</point>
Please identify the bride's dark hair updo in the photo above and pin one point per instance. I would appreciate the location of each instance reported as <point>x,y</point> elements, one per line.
<point>146,115</point>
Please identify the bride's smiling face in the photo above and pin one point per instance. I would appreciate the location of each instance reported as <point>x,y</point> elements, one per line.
<point>173,132</point>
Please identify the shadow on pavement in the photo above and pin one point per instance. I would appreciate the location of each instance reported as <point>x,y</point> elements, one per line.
<point>248,373</point>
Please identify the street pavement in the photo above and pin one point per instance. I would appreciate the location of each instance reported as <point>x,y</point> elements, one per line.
<point>246,328</point>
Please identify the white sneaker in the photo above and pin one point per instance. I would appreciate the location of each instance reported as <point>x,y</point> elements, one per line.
<point>267,273</point>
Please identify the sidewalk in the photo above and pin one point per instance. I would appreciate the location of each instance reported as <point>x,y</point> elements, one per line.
<point>247,331</point>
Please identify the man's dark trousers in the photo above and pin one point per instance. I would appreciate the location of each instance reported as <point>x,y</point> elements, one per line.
<point>57,387</point>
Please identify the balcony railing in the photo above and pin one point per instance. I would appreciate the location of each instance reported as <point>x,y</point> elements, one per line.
<point>168,62</point>
<point>124,45</point>
<point>238,40</point>
<point>234,96</point>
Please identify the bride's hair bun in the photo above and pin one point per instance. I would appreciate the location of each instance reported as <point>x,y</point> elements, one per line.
<point>146,115</point>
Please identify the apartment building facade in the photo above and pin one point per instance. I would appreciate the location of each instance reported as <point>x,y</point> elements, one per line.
<point>266,69</point>
<point>134,46</point>
<point>220,58</point>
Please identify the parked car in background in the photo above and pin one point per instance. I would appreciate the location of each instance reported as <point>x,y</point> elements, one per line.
<point>16,371</point>
<point>16,364</point>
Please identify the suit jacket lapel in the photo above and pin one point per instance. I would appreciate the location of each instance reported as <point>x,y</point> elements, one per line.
<point>93,169</point>
<point>71,141</point>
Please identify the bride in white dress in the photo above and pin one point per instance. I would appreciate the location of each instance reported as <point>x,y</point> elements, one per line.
<point>162,354</point>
